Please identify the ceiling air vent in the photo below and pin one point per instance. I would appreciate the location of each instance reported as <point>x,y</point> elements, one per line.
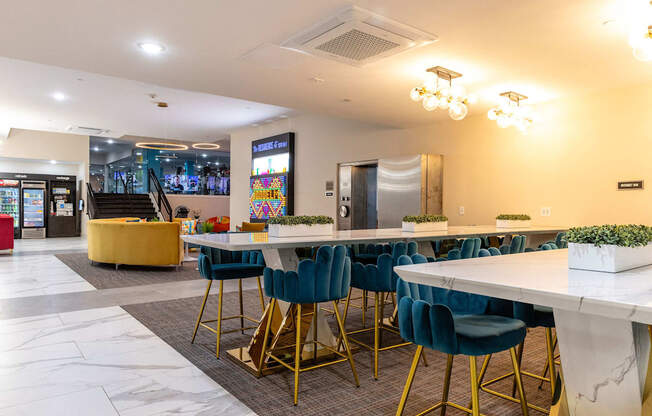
<point>357,37</point>
<point>90,131</point>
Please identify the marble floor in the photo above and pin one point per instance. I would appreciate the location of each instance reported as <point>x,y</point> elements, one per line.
<point>69,349</point>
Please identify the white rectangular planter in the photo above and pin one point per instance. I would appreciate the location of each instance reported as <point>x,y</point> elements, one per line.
<point>413,227</point>
<point>513,223</point>
<point>300,230</point>
<point>608,258</point>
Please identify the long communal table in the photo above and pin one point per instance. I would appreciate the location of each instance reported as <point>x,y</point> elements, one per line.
<point>279,253</point>
<point>601,321</point>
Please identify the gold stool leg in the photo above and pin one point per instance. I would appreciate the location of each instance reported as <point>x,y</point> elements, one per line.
<point>447,383</point>
<point>241,307</point>
<point>376,334</point>
<point>314,331</point>
<point>519,357</point>
<point>364,308</point>
<point>340,323</point>
<point>297,354</point>
<point>551,360</point>
<point>219,320</point>
<point>408,382</point>
<point>201,311</point>
<point>475,387</point>
<point>272,304</point>
<point>519,381</point>
<point>260,294</point>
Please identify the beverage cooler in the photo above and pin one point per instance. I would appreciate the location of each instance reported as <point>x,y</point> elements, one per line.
<point>34,203</point>
<point>10,201</point>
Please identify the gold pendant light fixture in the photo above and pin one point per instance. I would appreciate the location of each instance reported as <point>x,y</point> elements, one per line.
<point>640,35</point>
<point>438,91</point>
<point>510,112</point>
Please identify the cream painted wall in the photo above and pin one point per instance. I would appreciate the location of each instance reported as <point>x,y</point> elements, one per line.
<point>570,161</point>
<point>39,147</point>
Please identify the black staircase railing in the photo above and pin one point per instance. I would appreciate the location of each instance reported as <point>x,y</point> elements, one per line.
<point>161,199</point>
<point>91,203</point>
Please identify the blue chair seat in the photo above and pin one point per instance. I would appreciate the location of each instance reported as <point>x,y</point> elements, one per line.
<point>237,270</point>
<point>487,334</point>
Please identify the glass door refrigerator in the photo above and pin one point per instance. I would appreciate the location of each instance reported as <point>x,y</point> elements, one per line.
<point>33,209</point>
<point>10,201</point>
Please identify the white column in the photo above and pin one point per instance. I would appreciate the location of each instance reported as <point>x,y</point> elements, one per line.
<point>604,362</point>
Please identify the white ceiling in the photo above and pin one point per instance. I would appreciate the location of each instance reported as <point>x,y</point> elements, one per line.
<point>120,105</point>
<point>545,49</point>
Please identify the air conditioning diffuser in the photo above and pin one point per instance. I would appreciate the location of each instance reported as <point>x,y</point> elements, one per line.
<point>357,37</point>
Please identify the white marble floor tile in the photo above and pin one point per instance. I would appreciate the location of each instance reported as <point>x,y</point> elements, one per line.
<point>82,403</point>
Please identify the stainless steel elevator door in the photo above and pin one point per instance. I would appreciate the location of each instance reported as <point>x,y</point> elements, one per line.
<point>399,189</point>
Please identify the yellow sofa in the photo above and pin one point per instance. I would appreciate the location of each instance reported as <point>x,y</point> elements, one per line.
<point>118,241</point>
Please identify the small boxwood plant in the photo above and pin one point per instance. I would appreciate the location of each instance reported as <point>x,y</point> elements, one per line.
<point>630,235</point>
<point>301,220</point>
<point>419,219</point>
<point>514,217</point>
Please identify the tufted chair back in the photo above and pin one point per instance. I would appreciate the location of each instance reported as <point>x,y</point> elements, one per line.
<point>219,256</point>
<point>470,248</point>
<point>204,263</point>
<point>327,278</point>
<point>484,253</point>
<point>494,251</point>
<point>559,240</point>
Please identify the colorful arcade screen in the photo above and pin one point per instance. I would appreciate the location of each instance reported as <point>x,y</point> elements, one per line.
<point>268,197</point>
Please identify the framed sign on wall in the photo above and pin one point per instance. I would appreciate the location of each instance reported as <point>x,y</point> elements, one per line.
<point>271,184</point>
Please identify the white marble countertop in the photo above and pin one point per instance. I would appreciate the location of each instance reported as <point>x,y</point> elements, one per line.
<point>543,278</point>
<point>256,241</point>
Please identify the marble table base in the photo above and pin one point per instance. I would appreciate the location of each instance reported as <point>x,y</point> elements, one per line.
<point>604,362</point>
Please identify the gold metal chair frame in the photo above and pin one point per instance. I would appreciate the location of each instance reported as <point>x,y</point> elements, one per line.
<point>550,366</point>
<point>296,366</point>
<point>218,331</point>
<point>475,386</point>
<point>379,327</point>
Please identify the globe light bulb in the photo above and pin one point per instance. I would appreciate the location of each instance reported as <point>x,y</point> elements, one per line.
<point>492,114</point>
<point>443,103</point>
<point>415,95</point>
<point>458,111</point>
<point>445,91</point>
<point>472,98</point>
<point>430,103</point>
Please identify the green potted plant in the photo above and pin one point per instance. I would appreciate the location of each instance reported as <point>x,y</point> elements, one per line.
<point>513,221</point>
<point>609,248</point>
<point>300,226</point>
<point>423,223</point>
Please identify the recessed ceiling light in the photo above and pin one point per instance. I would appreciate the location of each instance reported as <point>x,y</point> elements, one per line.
<point>255,125</point>
<point>167,159</point>
<point>110,141</point>
<point>282,116</point>
<point>97,149</point>
<point>151,48</point>
<point>317,80</point>
<point>54,162</point>
<point>204,155</point>
<point>59,96</point>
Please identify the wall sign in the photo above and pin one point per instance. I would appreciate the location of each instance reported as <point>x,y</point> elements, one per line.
<point>630,185</point>
<point>272,145</point>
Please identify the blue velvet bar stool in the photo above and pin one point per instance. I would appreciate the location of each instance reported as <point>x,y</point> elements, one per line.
<point>221,265</point>
<point>533,316</point>
<point>457,323</point>
<point>380,279</point>
<point>326,279</point>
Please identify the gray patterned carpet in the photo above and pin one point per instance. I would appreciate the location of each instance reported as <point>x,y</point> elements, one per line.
<point>330,391</point>
<point>105,276</point>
